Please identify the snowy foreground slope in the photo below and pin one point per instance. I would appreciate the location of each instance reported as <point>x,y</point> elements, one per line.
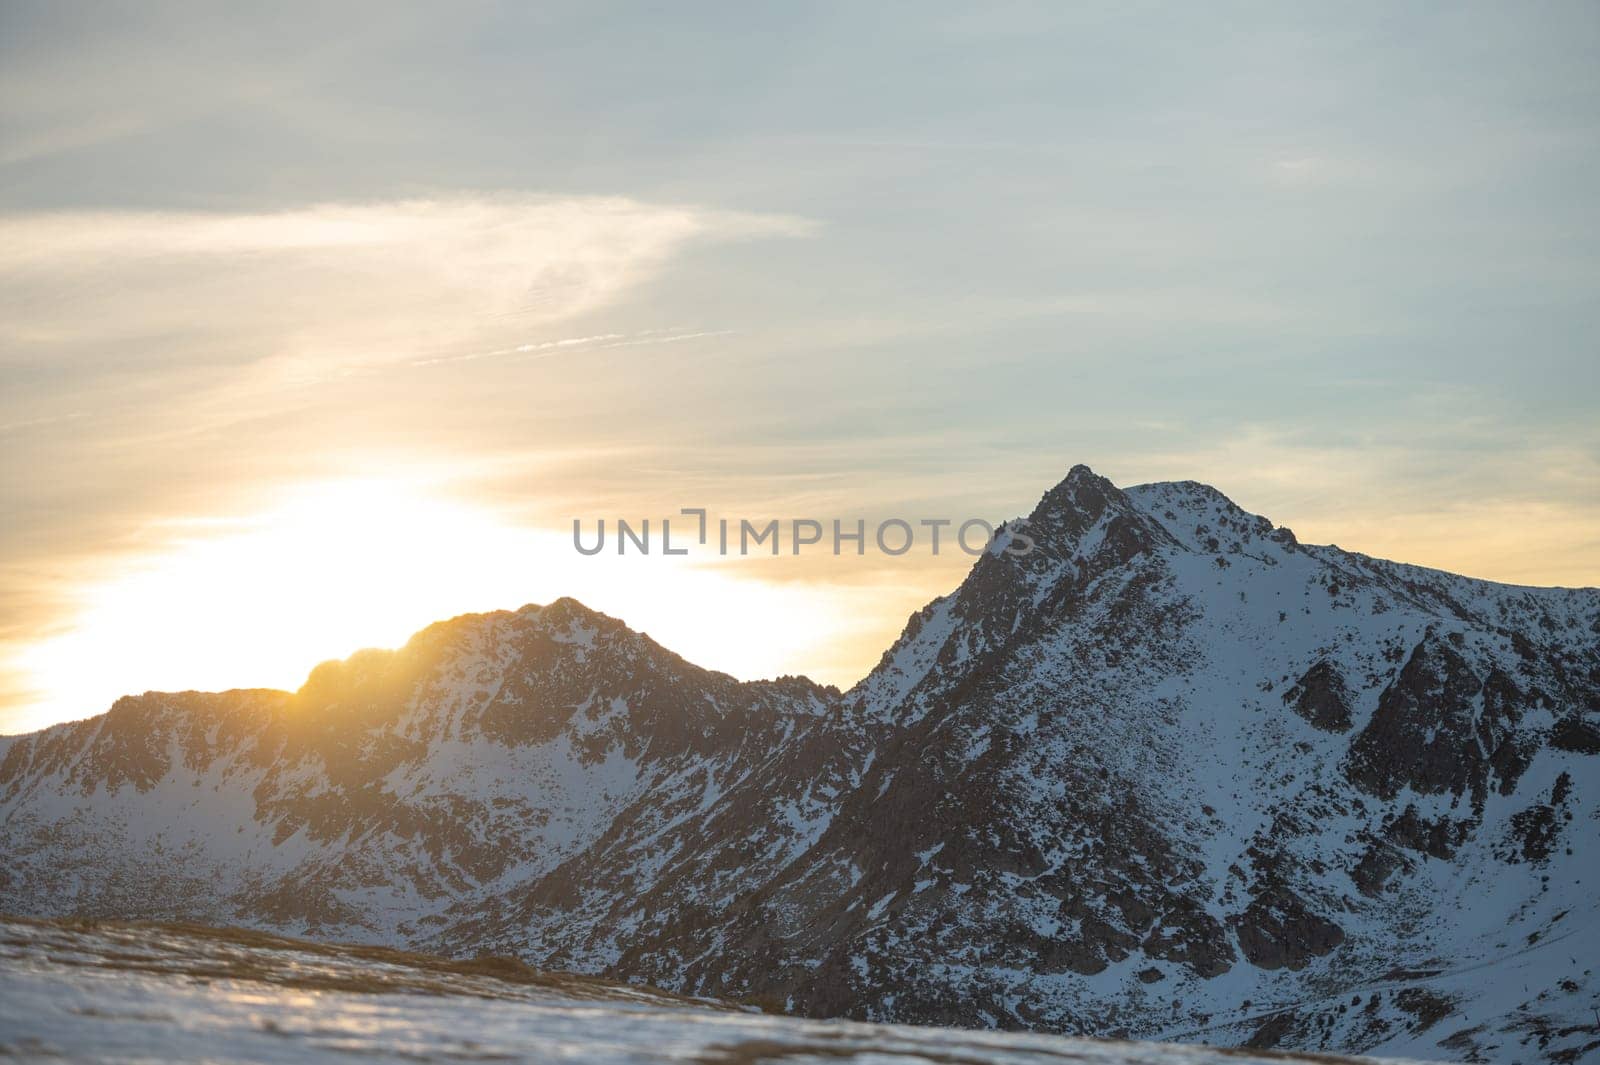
<point>1172,775</point>
<point>166,994</point>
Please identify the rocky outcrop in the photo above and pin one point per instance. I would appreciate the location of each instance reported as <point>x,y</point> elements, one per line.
<point>1321,697</point>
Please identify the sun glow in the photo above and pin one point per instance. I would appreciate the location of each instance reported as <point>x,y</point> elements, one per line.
<point>258,601</point>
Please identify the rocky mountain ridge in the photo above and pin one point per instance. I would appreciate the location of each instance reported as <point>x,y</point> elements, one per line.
<point>1171,775</point>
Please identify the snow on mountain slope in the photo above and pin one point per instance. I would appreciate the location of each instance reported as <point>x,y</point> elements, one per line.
<point>395,791</point>
<point>168,994</point>
<point>1171,774</point>
<point>1177,775</point>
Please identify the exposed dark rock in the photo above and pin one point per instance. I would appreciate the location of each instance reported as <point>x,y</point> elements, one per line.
<point>1438,838</point>
<point>1425,733</point>
<point>1278,930</point>
<point>1428,1007</point>
<point>1571,733</point>
<point>1322,698</point>
<point>1535,831</point>
<point>1380,862</point>
<point>1273,1031</point>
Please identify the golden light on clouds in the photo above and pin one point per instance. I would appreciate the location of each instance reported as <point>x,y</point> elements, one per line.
<point>313,292</point>
<point>226,366</point>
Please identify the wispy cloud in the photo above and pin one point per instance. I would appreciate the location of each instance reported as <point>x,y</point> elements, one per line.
<point>547,348</point>
<point>325,287</point>
<point>215,313</point>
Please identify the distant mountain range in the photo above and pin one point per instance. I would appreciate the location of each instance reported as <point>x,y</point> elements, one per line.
<point>1170,775</point>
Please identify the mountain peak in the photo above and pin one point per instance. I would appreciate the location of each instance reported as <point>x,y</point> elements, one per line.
<point>1078,478</point>
<point>1078,499</point>
<point>1085,514</point>
<point>566,610</point>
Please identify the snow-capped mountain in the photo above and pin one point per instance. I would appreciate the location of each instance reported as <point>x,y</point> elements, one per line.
<point>1169,775</point>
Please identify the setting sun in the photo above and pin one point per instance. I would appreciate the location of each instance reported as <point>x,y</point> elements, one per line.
<point>256,601</point>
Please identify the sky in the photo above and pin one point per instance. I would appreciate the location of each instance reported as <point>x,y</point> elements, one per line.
<point>322,322</point>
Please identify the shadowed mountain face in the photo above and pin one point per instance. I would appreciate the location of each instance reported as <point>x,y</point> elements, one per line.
<point>1171,774</point>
